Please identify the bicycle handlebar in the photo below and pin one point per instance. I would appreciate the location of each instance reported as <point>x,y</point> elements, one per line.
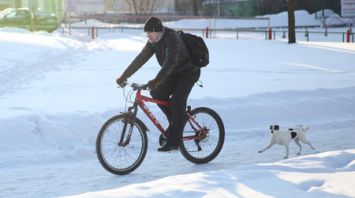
<point>136,86</point>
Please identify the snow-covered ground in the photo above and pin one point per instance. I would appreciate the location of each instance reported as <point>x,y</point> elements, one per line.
<point>56,92</point>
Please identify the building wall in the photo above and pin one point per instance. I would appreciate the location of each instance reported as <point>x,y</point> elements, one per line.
<point>6,4</point>
<point>80,7</point>
<point>84,6</point>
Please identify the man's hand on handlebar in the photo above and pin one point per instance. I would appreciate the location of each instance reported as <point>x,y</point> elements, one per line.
<point>121,81</point>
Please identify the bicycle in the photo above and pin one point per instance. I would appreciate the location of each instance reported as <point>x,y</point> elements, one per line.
<point>122,143</point>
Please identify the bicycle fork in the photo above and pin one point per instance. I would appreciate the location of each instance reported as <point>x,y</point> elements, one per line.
<point>200,132</point>
<point>129,120</point>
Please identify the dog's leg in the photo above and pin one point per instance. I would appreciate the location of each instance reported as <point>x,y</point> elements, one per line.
<point>297,141</point>
<point>307,142</point>
<point>286,146</point>
<point>269,146</point>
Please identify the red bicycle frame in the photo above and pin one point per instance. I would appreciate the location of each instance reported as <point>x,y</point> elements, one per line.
<point>140,100</point>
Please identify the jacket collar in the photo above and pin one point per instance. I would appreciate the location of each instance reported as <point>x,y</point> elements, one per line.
<point>161,35</point>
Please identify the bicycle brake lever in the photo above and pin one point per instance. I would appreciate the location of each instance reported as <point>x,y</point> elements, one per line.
<point>145,87</point>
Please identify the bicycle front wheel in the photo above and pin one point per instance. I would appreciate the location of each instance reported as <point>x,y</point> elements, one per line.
<point>203,136</point>
<point>115,153</point>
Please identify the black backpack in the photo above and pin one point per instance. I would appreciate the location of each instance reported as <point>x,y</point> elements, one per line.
<point>197,48</point>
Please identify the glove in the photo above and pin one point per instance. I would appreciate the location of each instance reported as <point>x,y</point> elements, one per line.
<point>152,84</point>
<point>121,81</point>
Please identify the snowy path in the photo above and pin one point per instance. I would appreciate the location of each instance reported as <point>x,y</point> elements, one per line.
<point>50,115</point>
<point>52,170</point>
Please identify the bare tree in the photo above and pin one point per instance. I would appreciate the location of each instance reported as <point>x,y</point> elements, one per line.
<point>140,7</point>
<point>291,21</point>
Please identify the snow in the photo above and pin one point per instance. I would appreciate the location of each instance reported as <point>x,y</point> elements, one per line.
<point>57,90</point>
<point>295,177</point>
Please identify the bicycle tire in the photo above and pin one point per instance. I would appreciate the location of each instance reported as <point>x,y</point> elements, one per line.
<point>110,133</point>
<point>210,148</point>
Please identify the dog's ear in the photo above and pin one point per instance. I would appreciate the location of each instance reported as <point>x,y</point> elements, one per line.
<point>276,127</point>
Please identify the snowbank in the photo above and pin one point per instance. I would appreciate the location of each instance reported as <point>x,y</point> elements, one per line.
<point>330,174</point>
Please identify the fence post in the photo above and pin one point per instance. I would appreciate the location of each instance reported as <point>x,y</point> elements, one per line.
<point>306,34</point>
<point>93,32</point>
<point>237,34</point>
<point>348,36</point>
<point>266,35</point>
<point>270,33</point>
<point>284,34</point>
<point>207,30</point>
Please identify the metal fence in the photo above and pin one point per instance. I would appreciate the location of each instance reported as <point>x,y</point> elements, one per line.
<point>228,33</point>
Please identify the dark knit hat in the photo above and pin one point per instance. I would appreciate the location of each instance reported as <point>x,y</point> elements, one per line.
<point>153,24</point>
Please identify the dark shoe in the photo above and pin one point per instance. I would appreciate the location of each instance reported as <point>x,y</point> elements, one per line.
<point>167,147</point>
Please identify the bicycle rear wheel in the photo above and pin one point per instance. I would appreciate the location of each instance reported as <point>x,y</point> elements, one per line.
<point>203,136</point>
<point>121,159</point>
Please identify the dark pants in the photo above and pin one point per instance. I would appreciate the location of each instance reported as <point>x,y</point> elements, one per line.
<point>176,90</point>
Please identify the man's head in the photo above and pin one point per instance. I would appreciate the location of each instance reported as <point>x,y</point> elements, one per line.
<point>153,27</point>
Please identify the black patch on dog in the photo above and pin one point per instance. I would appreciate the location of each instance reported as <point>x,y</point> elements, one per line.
<point>274,128</point>
<point>293,134</point>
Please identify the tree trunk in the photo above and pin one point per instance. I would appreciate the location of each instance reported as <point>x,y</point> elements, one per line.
<point>152,6</point>
<point>194,8</point>
<point>135,7</point>
<point>291,21</point>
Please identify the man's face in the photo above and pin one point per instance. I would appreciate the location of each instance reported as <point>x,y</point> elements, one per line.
<point>153,36</point>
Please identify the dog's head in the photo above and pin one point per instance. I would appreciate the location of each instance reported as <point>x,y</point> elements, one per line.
<point>274,128</point>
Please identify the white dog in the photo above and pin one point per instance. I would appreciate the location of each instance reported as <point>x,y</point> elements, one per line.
<point>284,137</point>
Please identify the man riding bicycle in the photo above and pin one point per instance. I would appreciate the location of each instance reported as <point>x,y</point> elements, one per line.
<point>175,79</point>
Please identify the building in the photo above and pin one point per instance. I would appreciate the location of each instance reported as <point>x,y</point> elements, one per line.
<point>81,7</point>
<point>234,8</point>
<point>78,7</point>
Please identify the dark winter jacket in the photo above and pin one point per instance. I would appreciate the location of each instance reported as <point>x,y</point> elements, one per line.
<point>171,54</point>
